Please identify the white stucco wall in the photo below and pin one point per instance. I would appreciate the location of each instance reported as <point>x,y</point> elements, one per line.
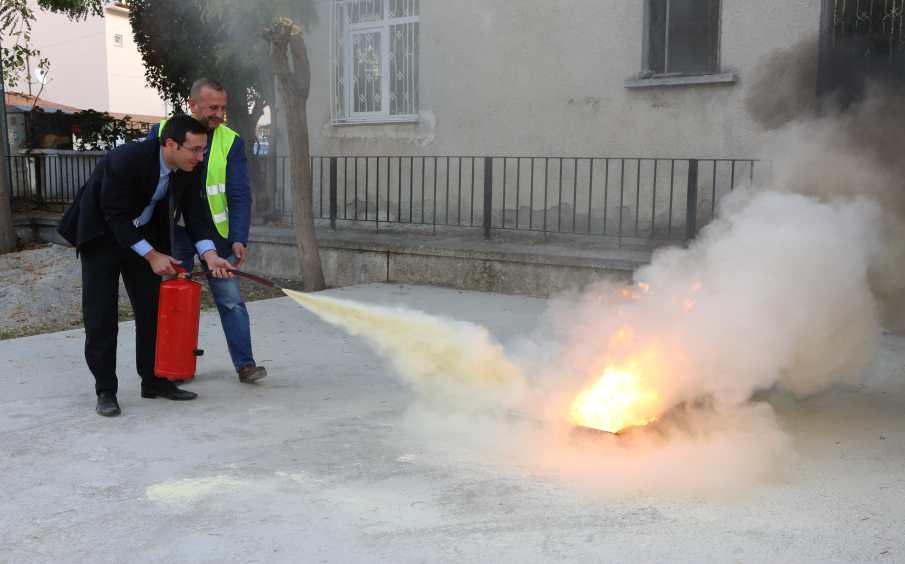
<point>548,77</point>
<point>126,87</point>
<point>78,60</point>
<point>86,69</point>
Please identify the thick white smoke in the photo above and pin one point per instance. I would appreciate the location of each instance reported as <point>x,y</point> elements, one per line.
<point>785,289</point>
<point>774,293</point>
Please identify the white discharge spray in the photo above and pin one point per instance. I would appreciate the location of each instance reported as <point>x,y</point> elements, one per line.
<point>440,358</point>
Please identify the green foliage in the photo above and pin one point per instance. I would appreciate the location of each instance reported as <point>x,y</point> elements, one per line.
<point>75,9</point>
<point>16,18</point>
<point>101,131</point>
<point>175,46</point>
<point>178,45</point>
<point>181,41</point>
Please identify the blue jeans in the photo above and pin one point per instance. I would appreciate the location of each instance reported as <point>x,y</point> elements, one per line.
<point>233,313</point>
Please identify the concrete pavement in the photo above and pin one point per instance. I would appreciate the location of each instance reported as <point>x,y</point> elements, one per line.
<point>322,463</point>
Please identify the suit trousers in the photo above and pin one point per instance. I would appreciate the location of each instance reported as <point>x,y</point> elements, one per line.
<point>103,262</point>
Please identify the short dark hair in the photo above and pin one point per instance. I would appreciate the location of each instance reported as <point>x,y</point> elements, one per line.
<point>205,83</point>
<point>177,126</point>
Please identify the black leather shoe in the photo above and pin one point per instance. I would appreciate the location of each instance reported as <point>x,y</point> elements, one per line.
<point>166,389</point>
<point>107,405</point>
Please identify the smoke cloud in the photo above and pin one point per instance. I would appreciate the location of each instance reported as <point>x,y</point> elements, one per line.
<point>788,288</point>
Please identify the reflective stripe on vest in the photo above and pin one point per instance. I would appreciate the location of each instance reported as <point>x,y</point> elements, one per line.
<point>215,183</point>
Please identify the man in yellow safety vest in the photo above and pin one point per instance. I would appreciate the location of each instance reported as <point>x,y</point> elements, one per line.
<point>229,201</point>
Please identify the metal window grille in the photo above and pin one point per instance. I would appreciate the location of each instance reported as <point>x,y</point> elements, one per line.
<point>860,40</point>
<point>683,36</point>
<point>374,49</point>
<point>873,27</point>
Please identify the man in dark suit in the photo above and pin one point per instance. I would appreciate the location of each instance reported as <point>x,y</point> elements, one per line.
<point>119,224</point>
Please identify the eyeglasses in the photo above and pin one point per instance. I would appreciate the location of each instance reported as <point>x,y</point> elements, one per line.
<point>197,151</point>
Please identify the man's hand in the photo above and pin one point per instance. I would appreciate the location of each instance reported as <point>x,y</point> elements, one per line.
<point>239,252</point>
<point>219,267</point>
<point>161,264</point>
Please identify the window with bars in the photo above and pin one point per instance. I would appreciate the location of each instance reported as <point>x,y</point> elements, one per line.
<point>375,55</point>
<point>682,37</point>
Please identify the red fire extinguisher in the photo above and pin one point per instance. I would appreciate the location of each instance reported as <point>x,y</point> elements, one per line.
<point>178,311</point>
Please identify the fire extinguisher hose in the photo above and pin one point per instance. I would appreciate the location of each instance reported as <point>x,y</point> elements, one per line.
<point>254,278</point>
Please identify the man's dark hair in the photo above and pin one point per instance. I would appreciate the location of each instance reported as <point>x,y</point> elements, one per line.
<point>177,126</point>
<point>204,83</point>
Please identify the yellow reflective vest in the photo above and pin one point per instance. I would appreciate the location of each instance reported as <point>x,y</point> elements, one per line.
<point>215,183</point>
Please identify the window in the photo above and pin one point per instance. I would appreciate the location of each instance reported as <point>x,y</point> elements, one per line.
<point>682,37</point>
<point>117,40</point>
<point>375,52</point>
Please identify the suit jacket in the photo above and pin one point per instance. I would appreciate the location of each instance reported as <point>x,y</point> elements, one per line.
<point>120,188</point>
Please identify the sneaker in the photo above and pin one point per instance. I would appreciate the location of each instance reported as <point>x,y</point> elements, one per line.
<point>250,374</point>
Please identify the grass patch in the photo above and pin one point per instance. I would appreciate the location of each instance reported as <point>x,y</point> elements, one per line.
<point>251,292</point>
<point>38,329</point>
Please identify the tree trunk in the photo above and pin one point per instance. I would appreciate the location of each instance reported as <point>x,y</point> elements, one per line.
<point>286,39</point>
<point>7,230</point>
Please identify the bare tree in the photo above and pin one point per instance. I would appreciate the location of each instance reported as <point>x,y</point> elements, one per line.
<point>7,231</point>
<point>292,69</point>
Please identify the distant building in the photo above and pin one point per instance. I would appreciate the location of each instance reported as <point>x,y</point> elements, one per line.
<point>38,123</point>
<point>94,64</point>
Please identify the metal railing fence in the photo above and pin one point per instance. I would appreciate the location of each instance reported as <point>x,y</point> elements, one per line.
<point>628,199</point>
<point>44,177</point>
<point>631,198</point>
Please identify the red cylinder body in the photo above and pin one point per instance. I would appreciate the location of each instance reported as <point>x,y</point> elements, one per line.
<point>178,311</point>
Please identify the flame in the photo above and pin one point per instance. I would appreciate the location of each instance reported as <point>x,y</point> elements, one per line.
<point>617,400</point>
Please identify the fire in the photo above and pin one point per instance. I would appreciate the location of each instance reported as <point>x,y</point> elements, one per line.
<point>616,401</point>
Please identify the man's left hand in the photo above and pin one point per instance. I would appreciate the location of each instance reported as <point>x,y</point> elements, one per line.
<point>239,252</point>
<point>219,266</point>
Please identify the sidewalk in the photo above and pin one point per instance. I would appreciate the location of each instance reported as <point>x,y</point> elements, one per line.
<point>321,463</point>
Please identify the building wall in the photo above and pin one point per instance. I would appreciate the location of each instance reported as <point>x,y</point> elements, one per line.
<point>86,69</point>
<point>78,60</point>
<point>127,91</point>
<point>548,77</point>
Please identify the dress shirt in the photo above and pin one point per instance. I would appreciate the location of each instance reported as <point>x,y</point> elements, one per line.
<point>143,247</point>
